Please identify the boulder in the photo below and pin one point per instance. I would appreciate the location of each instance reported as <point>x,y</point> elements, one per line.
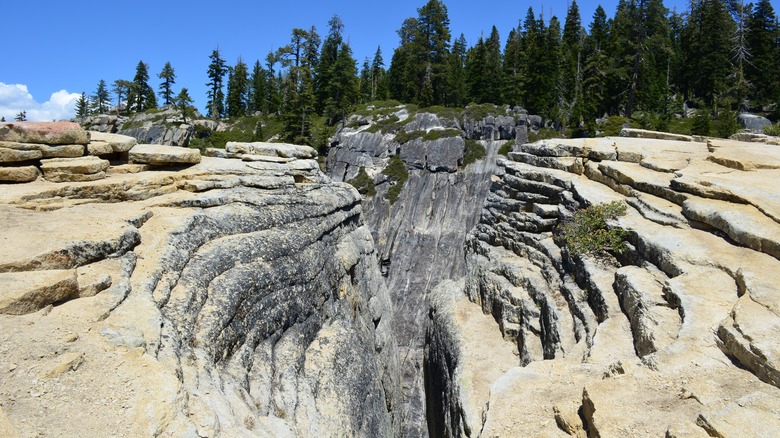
<point>14,155</point>
<point>19,174</point>
<point>64,151</point>
<point>74,169</point>
<point>99,148</point>
<point>644,133</point>
<point>157,155</point>
<point>273,149</point>
<point>752,122</point>
<point>49,133</point>
<point>118,142</point>
<point>23,293</point>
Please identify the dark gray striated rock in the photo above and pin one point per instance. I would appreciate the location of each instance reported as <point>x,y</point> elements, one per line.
<point>442,155</point>
<point>753,123</point>
<point>352,152</point>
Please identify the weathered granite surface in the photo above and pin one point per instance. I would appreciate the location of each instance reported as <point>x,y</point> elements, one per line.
<point>674,337</point>
<point>218,300</point>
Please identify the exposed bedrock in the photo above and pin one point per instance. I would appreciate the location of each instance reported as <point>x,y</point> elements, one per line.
<point>673,337</point>
<point>216,300</point>
<point>419,238</point>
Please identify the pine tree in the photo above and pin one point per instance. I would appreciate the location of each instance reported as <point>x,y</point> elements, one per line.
<point>379,90</point>
<point>215,105</point>
<point>238,90</point>
<point>168,77</point>
<point>457,81</point>
<point>100,99</point>
<point>82,106</point>
<point>21,116</point>
<point>763,39</point>
<point>121,87</point>
<point>328,55</point>
<point>513,68</point>
<point>365,81</point>
<point>300,58</point>
<point>401,75</point>
<point>344,90</point>
<point>432,43</point>
<point>183,102</point>
<point>258,89</point>
<point>140,96</point>
<point>273,94</point>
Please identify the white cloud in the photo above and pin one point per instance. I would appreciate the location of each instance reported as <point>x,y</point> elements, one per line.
<point>15,97</point>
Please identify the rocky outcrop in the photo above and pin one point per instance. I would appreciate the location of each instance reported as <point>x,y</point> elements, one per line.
<point>672,337</point>
<point>420,236</point>
<point>216,300</point>
<point>753,122</point>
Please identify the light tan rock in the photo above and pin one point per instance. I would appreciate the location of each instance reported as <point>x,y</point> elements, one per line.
<point>752,415</point>
<point>22,293</point>
<point>266,158</point>
<point>643,133</point>
<point>117,142</point>
<point>64,151</point>
<point>49,133</point>
<point>99,148</point>
<point>127,168</point>
<point>157,155</point>
<point>273,149</point>
<point>19,174</point>
<point>13,155</point>
<point>70,361</point>
<point>74,169</point>
<point>7,430</point>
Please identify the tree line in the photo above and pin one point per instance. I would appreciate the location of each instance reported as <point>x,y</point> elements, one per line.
<point>718,55</point>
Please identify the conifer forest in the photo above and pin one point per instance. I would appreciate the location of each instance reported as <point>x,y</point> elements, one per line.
<point>644,64</point>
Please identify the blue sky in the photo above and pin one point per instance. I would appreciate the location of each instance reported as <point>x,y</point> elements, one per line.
<point>54,50</point>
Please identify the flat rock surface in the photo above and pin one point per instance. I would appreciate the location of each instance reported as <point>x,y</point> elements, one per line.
<point>49,133</point>
<point>270,289</point>
<point>676,337</point>
<point>117,142</point>
<point>157,155</point>
<point>20,174</point>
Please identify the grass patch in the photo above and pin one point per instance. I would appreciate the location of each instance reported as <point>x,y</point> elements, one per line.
<point>480,111</point>
<point>405,137</point>
<point>444,112</point>
<point>472,152</point>
<point>505,148</point>
<point>397,173</point>
<point>773,130</point>
<point>543,134</point>
<point>385,125</point>
<point>435,134</point>
<point>588,232</point>
<point>363,183</point>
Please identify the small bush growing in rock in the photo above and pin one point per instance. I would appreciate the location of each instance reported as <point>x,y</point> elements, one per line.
<point>505,148</point>
<point>396,170</point>
<point>588,232</point>
<point>363,183</point>
<point>435,134</point>
<point>473,151</point>
<point>773,130</point>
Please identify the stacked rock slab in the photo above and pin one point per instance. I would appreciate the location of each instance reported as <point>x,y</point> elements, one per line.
<point>57,148</point>
<point>675,337</point>
<point>22,143</point>
<point>280,158</point>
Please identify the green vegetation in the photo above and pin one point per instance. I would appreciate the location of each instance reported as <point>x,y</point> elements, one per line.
<point>543,134</point>
<point>773,130</point>
<point>473,151</point>
<point>405,137</point>
<point>505,148</point>
<point>363,183</point>
<point>588,232</point>
<point>397,173</point>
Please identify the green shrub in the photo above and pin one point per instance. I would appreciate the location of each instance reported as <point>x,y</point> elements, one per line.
<point>701,123</point>
<point>397,173</point>
<point>505,148</point>
<point>612,126</point>
<point>473,151</point>
<point>773,130</point>
<point>385,125</point>
<point>543,134</point>
<point>363,183</point>
<point>726,124</point>
<point>435,134</point>
<point>479,111</point>
<point>405,137</point>
<point>588,233</point>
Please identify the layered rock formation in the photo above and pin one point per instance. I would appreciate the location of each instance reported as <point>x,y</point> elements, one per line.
<point>676,336</point>
<point>219,299</point>
<point>420,237</point>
